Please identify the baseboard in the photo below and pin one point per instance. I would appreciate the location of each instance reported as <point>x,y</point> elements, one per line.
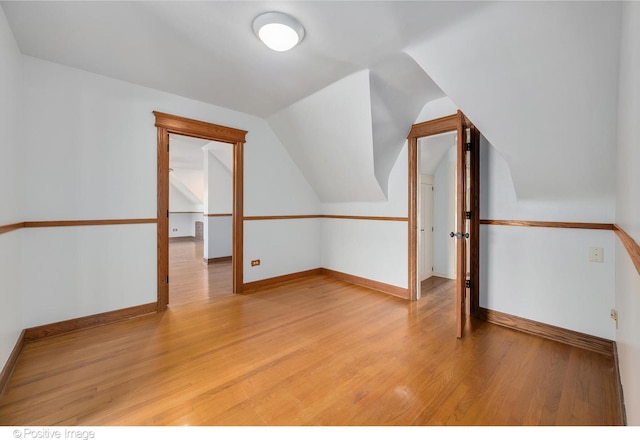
<point>371,284</point>
<point>58,328</point>
<point>217,259</point>
<point>280,279</point>
<point>570,337</point>
<point>10,365</point>
<point>443,275</point>
<point>620,395</point>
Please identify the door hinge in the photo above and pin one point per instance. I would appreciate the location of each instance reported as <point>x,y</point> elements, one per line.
<point>167,279</point>
<point>167,148</point>
<point>467,215</point>
<point>167,213</point>
<point>467,284</point>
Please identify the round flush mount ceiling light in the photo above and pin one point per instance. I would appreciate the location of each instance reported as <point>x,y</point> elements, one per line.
<point>278,31</point>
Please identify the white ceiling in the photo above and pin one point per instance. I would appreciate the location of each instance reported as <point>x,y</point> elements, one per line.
<point>539,79</point>
<point>206,50</point>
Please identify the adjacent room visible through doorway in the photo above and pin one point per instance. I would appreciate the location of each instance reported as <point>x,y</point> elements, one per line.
<point>200,219</point>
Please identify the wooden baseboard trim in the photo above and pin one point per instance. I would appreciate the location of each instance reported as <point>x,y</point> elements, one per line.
<point>10,365</point>
<point>280,279</point>
<point>217,259</point>
<point>370,284</point>
<point>559,334</point>
<point>58,328</point>
<point>620,395</point>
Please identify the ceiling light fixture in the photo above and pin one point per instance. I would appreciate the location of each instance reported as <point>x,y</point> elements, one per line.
<point>278,31</point>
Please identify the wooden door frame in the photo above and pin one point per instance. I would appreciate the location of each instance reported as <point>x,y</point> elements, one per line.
<point>169,124</point>
<point>429,128</point>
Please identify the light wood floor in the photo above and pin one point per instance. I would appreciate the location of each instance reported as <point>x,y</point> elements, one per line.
<point>309,352</point>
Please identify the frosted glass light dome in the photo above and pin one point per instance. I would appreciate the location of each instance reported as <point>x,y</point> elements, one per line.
<point>278,31</point>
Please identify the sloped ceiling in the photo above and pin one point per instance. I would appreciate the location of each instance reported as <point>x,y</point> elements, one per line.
<point>539,79</point>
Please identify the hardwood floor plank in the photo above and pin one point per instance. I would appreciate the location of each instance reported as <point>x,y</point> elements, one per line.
<point>313,351</point>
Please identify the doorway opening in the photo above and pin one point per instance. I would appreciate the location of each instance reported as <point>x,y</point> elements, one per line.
<point>170,125</point>
<point>437,157</point>
<point>200,219</point>
<point>467,216</point>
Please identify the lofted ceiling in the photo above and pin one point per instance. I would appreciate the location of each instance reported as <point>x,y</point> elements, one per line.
<point>206,50</point>
<point>539,79</point>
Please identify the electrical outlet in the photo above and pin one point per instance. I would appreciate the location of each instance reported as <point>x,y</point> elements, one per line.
<point>175,229</point>
<point>255,263</point>
<point>596,254</point>
<point>614,316</point>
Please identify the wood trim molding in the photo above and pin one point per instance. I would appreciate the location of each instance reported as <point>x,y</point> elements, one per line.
<point>194,128</point>
<point>280,279</point>
<point>630,245</point>
<point>170,124</point>
<point>435,126</point>
<point>370,284</point>
<point>570,337</point>
<point>64,223</point>
<point>543,224</point>
<point>85,322</point>
<point>619,393</point>
<point>10,365</point>
<point>279,217</point>
<point>218,215</point>
<point>217,259</point>
<point>348,217</point>
<point>366,217</point>
<point>11,227</point>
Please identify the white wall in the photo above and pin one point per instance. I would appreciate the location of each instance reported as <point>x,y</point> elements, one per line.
<point>88,151</point>
<point>185,223</point>
<point>218,237</point>
<point>628,211</point>
<point>79,271</point>
<point>543,274</point>
<point>371,249</point>
<point>218,186</point>
<point>218,199</point>
<point>10,210</point>
<point>329,136</point>
<point>282,246</point>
